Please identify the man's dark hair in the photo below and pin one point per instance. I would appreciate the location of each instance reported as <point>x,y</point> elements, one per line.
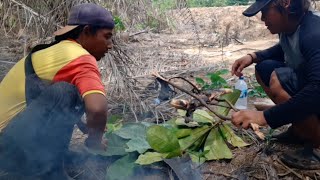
<point>297,8</point>
<point>75,33</point>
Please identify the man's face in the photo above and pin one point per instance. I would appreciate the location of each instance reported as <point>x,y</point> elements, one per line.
<point>274,20</point>
<point>98,44</point>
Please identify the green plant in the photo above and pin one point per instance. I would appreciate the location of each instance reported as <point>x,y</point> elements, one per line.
<point>257,91</point>
<point>216,80</point>
<point>119,25</point>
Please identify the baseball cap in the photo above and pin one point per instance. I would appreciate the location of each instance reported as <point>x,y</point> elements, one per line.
<point>255,7</point>
<point>87,14</point>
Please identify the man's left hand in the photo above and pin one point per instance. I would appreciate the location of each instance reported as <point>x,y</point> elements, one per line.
<point>245,118</point>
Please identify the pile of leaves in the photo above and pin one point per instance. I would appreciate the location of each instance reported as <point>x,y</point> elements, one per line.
<point>203,138</point>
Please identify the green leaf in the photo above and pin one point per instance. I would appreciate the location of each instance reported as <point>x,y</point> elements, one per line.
<point>182,112</point>
<point>114,119</point>
<point>183,132</point>
<point>200,81</point>
<point>138,144</point>
<point>114,123</point>
<point>195,136</point>
<point>231,137</point>
<point>222,72</point>
<point>216,81</point>
<point>198,157</point>
<point>182,122</point>
<point>197,145</point>
<point>131,130</point>
<point>136,133</point>
<point>163,140</point>
<point>116,146</point>
<point>150,157</point>
<point>202,116</point>
<point>232,98</point>
<point>123,168</point>
<point>216,146</point>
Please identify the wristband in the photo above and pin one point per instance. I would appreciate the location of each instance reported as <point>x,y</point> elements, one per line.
<point>251,57</point>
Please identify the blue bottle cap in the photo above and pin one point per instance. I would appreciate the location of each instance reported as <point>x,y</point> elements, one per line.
<point>241,77</point>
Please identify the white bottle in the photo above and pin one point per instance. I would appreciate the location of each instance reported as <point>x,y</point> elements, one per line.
<point>243,99</point>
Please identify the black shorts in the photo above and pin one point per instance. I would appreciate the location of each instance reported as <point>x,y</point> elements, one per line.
<point>290,80</point>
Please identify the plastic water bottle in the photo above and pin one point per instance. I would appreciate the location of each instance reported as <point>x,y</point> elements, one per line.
<point>243,99</point>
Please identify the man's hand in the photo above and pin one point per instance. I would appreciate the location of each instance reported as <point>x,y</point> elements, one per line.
<point>96,144</point>
<point>240,64</point>
<point>245,118</point>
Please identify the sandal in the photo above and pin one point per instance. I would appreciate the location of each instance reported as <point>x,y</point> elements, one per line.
<point>288,137</point>
<point>307,159</point>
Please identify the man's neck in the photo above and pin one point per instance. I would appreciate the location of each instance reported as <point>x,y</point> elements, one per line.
<point>293,25</point>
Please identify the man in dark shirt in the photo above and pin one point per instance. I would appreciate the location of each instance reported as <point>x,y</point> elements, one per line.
<point>289,72</point>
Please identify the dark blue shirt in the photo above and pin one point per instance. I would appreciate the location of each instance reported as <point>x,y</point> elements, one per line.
<point>305,102</point>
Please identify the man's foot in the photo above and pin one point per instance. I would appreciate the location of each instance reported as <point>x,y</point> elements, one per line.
<point>307,158</point>
<point>288,137</point>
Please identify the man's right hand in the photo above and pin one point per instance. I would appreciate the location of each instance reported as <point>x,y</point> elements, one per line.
<point>96,144</point>
<point>240,64</point>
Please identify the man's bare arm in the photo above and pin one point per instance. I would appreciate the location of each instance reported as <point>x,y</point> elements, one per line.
<point>96,110</point>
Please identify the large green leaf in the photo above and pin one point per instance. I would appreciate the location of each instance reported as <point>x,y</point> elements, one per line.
<point>202,116</point>
<point>183,132</point>
<point>131,130</point>
<point>163,140</point>
<point>116,145</point>
<point>231,137</point>
<point>197,145</point>
<point>216,146</point>
<point>180,121</point>
<point>150,157</point>
<point>123,168</point>
<point>195,136</point>
<point>136,133</point>
<point>198,157</point>
<point>232,98</point>
<point>139,144</point>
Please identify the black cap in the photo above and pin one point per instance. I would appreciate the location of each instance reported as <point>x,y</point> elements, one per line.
<point>87,14</point>
<point>255,7</point>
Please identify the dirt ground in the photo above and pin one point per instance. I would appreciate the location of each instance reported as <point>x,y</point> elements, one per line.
<point>243,35</point>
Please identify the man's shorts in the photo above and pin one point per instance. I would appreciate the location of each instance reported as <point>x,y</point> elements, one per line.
<point>289,79</point>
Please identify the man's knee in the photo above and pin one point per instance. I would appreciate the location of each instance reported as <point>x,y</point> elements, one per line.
<point>265,68</point>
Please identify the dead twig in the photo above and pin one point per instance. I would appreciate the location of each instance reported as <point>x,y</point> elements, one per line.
<point>220,173</point>
<point>289,169</point>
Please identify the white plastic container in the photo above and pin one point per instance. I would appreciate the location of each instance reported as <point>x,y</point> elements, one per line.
<point>242,102</point>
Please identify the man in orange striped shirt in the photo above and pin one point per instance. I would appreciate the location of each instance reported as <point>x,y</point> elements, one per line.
<point>45,94</point>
